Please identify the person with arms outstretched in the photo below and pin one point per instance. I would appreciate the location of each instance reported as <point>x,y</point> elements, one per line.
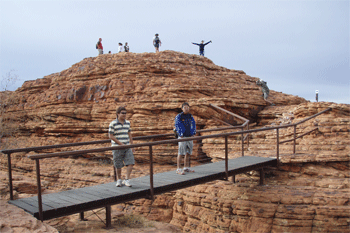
<point>201,47</point>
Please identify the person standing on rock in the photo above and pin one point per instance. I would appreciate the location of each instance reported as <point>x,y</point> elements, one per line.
<point>126,47</point>
<point>201,47</point>
<point>120,47</point>
<point>99,46</point>
<point>120,134</point>
<point>157,42</point>
<point>265,90</point>
<point>185,127</point>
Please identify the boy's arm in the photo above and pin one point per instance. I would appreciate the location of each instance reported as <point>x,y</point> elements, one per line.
<point>112,137</point>
<point>130,138</point>
<point>194,125</point>
<point>178,126</point>
<point>131,141</point>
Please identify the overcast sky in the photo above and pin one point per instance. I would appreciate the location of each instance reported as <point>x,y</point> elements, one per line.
<point>298,47</point>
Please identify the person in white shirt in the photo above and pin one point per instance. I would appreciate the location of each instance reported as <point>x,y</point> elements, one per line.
<point>120,48</point>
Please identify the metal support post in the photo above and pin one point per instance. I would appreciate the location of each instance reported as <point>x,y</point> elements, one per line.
<point>278,145</point>
<point>233,178</point>
<point>226,158</point>
<point>242,143</point>
<point>40,203</point>
<point>262,176</point>
<point>108,217</point>
<point>151,173</point>
<point>115,173</point>
<point>295,135</point>
<point>248,136</point>
<point>10,175</point>
<point>81,214</point>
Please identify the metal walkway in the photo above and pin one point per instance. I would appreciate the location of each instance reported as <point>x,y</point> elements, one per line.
<point>104,195</point>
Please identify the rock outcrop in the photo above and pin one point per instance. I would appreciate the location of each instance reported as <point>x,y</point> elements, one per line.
<point>77,104</point>
<point>309,192</point>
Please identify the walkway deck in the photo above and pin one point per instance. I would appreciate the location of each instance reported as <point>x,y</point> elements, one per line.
<point>83,199</point>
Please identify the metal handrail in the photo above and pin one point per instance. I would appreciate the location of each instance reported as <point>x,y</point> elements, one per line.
<point>300,136</point>
<point>300,122</point>
<point>78,152</point>
<point>246,123</point>
<point>28,149</point>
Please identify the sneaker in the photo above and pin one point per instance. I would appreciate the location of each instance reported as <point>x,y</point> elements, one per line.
<point>180,172</point>
<point>119,183</point>
<point>126,183</point>
<point>188,170</point>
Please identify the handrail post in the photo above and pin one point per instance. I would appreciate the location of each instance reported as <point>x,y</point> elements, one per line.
<point>295,134</point>
<point>278,144</point>
<point>248,136</point>
<point>242,142</point>
<point>115,173</point>
<point>40,204</point>
<point>226,158</point>
<point>151,172</point>
<point>10,175</point>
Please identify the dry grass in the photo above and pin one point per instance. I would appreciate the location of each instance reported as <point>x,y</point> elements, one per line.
<point>132,221</point>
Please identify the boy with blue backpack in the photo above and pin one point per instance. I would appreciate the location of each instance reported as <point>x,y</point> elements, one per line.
<point>157,42</point>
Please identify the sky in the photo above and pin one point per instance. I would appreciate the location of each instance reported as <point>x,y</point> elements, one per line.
<point>298,47</point>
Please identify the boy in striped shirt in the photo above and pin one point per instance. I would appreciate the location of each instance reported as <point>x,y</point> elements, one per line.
<point>120,134</point>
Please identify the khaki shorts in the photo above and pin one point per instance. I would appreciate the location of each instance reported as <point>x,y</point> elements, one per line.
<point>123,158</point>
<point>185,147</point>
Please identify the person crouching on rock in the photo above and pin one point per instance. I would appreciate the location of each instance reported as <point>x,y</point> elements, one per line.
<point>120,134</point>
<point>265,90</point>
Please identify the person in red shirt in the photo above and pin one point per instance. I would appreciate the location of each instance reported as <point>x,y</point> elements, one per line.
<point>99,46</point>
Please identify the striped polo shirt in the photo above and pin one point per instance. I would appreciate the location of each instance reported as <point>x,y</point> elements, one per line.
<point>120,131</point>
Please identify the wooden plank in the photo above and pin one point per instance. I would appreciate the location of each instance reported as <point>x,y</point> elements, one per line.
<point>33,201</point>
<point>54,202</point>
<point>25,206</point>
<point>67,198</point>
<point>136,187</point>
<point>78,193</point>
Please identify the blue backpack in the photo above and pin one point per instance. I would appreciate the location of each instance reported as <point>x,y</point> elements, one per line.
<point>156,40</point>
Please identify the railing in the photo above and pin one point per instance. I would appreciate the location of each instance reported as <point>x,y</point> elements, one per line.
<point>245,124</point>
<point>150,145</point>
<point>29,149</point>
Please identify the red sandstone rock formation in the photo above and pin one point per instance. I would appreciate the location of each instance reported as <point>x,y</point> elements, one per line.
<point>308,193</point>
